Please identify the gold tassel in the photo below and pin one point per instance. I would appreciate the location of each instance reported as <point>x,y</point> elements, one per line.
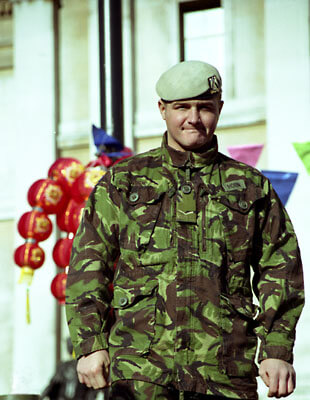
<point>27,306</point>
<point>26,275</point>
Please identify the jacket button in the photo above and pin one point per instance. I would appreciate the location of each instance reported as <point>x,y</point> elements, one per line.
<point>243,204</point>
<point>186,189</point>
<point>134,197</point>
<point>123,301</point>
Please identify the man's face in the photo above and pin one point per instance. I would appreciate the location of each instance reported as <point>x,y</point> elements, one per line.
<point>190,123</point>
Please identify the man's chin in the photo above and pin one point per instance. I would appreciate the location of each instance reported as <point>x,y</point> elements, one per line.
<point>198,145</point>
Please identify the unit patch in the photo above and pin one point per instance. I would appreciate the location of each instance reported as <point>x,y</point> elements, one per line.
<point>234,185</point>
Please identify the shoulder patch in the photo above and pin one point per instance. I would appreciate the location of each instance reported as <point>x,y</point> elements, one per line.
<point>234,185</point>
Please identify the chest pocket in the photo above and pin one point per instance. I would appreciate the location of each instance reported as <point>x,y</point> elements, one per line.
<point>228,225</point>
<point>239,215</point>
<point>141,209</point>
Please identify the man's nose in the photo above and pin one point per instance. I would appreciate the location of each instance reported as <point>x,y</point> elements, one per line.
<point>193,116</point>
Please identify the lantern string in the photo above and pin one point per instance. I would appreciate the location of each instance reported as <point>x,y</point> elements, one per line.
<point>28,306</point>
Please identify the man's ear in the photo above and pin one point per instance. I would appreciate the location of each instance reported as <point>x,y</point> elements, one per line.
<point>162,109</point>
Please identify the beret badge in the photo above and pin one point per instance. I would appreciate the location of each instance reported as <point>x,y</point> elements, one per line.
<point>214,84</point>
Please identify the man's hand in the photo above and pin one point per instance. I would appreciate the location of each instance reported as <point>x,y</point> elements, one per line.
<point>279,376</point>
<point>93,369</point>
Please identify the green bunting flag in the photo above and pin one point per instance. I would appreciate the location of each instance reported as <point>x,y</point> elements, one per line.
<point>303,151</point>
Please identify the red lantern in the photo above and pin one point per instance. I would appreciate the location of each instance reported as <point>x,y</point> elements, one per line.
<point>47,194</point>
<point>65,171</point>
<point>62,252</point>
<point>76,217</point>
<point>58,287</point>
<point>35,224</point>
<point>122,158</point>
<point>29,255</point>
<point>103,160</point>
<point>85,183</point>
<point>64,219</point>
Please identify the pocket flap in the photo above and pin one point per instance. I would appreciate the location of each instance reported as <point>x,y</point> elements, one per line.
<point>126,297</point>
<point>241,202</point>
<point>143,194</point>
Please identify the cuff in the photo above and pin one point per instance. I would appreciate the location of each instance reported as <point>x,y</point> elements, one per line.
<point>91,344</point>
<point>275,351</point>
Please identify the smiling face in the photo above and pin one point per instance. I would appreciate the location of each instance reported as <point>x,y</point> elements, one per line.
<point>190,123</point>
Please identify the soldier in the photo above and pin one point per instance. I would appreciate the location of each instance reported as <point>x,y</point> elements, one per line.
<point>187,225</point>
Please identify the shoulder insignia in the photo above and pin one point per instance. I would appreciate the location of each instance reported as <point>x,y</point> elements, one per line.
<point>234,185</point>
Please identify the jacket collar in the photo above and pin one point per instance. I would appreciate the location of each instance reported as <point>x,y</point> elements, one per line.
<point>188,158</point>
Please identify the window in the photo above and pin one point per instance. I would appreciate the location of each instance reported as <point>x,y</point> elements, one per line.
<point>230,36</point>
<point>203,33</point>
<point>6,35</point>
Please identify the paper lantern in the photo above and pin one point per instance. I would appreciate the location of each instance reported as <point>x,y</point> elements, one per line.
<point>62,252</point>
<point>76,217</point>
<point>35,225</point>
<point>65,171</point>
<point>48,195</point>
<point>121,158</point>
<point>65,220</point>
<point>103,160</point>
<point>58,287</point>
<point>85,183</point>
<point>29,255</point>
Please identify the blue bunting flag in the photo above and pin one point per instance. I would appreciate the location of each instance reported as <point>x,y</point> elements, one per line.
<point>282,182</point>
<point>103,141</point>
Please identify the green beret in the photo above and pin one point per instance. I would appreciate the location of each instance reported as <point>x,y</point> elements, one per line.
<point>187,80</point>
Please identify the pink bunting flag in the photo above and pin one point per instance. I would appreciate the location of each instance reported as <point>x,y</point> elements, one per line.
<point>246,153</point>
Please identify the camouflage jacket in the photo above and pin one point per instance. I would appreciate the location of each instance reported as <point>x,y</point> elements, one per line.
<point>194,235</point>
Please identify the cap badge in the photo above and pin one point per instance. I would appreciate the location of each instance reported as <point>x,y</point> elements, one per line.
<point>214,84</point>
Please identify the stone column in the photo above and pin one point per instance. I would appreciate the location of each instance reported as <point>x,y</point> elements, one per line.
<point>155,50</point>
<point>33,344</point>
<point>94,74</point>
<point>288,120</point>
<point>246,38</point>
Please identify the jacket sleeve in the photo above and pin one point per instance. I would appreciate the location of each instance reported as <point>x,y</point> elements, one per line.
<point>95,249</point>
<point>278,280</point>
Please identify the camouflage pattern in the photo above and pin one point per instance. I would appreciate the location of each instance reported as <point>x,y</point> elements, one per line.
<point>133,390</point>
<point>187,229</point>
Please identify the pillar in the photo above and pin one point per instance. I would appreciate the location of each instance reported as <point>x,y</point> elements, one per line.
<point>33,358</point>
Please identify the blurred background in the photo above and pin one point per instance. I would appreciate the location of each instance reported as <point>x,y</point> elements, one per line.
<point>68,64</point>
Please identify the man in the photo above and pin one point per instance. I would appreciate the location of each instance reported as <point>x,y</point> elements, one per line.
<point>186,224</point>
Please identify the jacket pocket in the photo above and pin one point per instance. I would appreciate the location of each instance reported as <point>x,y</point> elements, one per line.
<point>239,218</point>
<point>239,339</point>
<point>141,208</point>
<point>134,325</point>
<point>145,230</point>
